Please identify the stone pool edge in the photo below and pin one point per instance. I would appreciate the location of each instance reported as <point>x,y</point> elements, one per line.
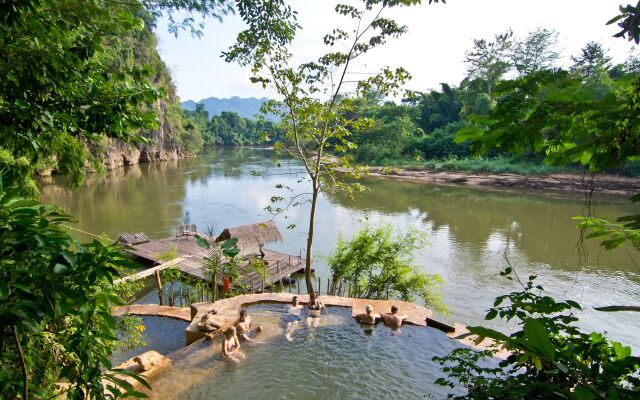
<point>227,313</point>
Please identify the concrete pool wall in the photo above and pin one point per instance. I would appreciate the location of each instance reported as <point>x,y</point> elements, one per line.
<point>227,311</point>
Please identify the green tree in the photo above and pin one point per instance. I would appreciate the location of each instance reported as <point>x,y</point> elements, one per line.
<point>535,52</point>
<point>438,108</point>
<point>592,58</point>
<point>69,80</point>
<point>378,265</point>
<point>489,60</point>
<point>313,106</point>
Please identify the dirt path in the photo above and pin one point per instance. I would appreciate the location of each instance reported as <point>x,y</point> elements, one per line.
<point>607,184</point>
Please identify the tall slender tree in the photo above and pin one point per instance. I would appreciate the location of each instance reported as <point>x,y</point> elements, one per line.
<point>314,105</point>
<point>489,60</point>
<point>592,58</point>
<point>536,51</point>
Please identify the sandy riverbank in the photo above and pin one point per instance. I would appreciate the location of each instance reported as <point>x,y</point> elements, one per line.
<point>607,184</point>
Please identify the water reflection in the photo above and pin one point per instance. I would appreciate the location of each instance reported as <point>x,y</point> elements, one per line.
<point>470,229</point>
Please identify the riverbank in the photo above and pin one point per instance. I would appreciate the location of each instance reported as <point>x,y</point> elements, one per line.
<point>606,184</point>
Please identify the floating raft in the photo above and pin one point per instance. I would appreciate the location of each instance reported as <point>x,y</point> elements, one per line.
<point>279,265</point>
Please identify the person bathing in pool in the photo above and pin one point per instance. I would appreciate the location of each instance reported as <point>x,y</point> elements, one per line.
<point>368,317</point>
<point>292,318</point>
<point>315,309</point>
<point>231,346</point>
<point>393,320</point>
<point>243,327</point>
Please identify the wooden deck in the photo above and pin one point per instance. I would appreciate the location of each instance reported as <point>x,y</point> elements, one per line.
<point>279,264</point>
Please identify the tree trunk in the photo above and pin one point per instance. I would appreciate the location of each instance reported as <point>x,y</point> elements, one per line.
<point>312,215</point>
<point>23,364</point>
<point>159,284</point>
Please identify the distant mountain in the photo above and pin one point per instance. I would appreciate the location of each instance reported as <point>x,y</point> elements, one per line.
<point>245,107</point>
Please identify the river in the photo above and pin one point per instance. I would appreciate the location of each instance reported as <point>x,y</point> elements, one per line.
<point>470,229</point>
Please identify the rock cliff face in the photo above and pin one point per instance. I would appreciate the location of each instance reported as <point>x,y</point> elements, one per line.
<point>161,145</point>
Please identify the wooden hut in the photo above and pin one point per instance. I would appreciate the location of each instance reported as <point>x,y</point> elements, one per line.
<point>252,237</point>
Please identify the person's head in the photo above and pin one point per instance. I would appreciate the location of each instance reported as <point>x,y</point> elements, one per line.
<point>243,315</point>
<point>294,301</point>
<point>230,332</point>
<point>313,297</point>
<point>369,309</point>
<point>394,309</point>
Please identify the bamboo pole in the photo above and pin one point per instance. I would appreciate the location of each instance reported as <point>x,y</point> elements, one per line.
<point>159,284</point>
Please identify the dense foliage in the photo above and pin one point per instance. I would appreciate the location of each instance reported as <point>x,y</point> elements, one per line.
<point>75,76</point>
<point>588,116</point>
<point>549,356</point>
<point>423,127</point>
<point>56,297</point>
<point>230,129</point>
<point>375,264</point>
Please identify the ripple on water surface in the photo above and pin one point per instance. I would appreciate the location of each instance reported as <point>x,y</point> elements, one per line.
<point>337,360</point>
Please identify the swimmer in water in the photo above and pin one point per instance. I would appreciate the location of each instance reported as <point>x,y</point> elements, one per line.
<point>315,309</point>
<point>368,317</point>
<point>393,320</point>
<point>243,326</point>
<point>231,346</point>
<point>292,318</point>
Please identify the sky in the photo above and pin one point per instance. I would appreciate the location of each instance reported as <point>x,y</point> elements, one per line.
<point>433,49</point>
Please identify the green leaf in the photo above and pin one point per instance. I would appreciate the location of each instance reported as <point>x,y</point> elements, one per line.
<point>20,286</point>
<point>614,19</point>
<point>4,291</point>
<point>491,314</point>
<point>537,336</point>
<point>489,333</point>
<point>230,243</point>
<point>582,393</point>
<point>202,242</point>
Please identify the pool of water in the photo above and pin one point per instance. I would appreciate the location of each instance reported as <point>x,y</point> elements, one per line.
<point>161,334</point>
<point>338,359</point>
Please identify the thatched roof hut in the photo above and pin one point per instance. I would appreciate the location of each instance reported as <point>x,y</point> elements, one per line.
<point>252,237</point>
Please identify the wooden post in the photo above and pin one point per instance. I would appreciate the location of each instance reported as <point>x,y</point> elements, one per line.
<point>328,284</point>
<point>319,287</point>
<point>159,284</point>
<point>262,285</point>
<point>349,290</point>
<point>251,281</point>
<point>298,286</point>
